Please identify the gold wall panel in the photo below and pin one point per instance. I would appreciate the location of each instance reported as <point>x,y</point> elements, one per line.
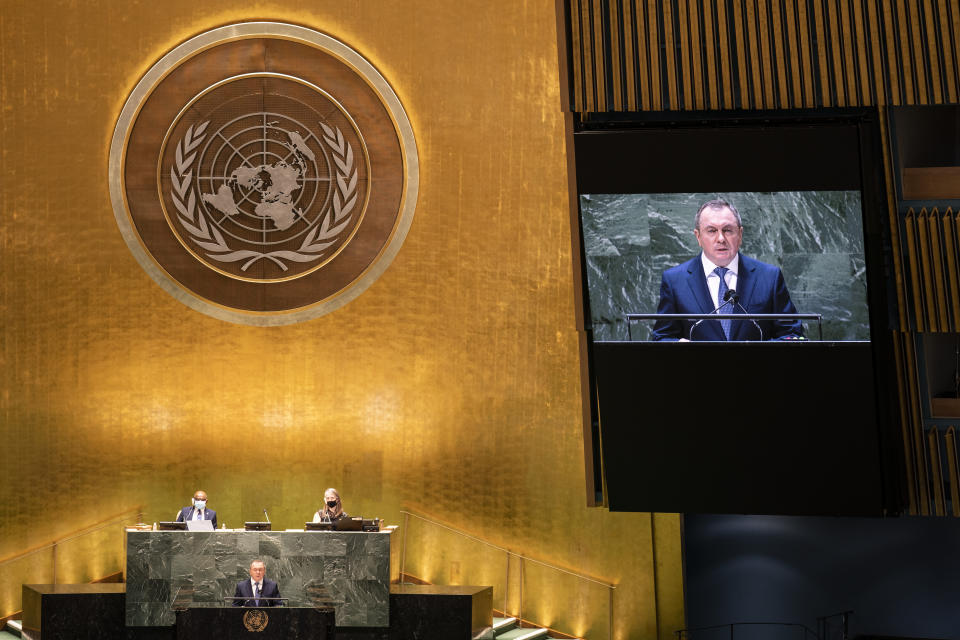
<point>450,386</point>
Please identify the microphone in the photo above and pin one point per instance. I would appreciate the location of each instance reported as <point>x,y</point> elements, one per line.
<point>726,299</point>
<point>265,515</point>
<point>735,297</point>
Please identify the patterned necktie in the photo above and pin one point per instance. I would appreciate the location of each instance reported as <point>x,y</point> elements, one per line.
<point>258,595</point>
<point>725,324</point>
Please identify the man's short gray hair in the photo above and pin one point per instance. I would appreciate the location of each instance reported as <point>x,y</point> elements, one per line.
<point>716,204</point>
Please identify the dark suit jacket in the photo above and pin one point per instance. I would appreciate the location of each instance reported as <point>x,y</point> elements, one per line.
<point>761,289</point>
<point>245,590</point>
<point>187,514</point>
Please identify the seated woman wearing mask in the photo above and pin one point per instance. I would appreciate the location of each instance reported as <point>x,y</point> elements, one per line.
<point>332,509</point>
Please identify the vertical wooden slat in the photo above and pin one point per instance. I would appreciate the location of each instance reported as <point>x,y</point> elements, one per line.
<point>740,55</point>
<point>614,35</point>
<point>936,471</point>
<point>926,271</point>
<point>669,55</point>
<point>909,450</point>
<point>792,53</point>
<point>751,60</point>
<point>653,46</point>
<point>862,55</point>
<point>916,427</point>
<point>779,48</point>
<point>697,54</point>
<point>910,233</point>
<point>951,250</point>
<point>824,70</point>
<point>917,53</point>
<point>953,472</point>
<point>576,55</point>
<point>586,55</point>
<point>599,72</point>
<point>805,42</point>
<point>630,55</point>
<point>892,72</point>
<point>645,101</point>
<point>936,260</point>
<point>899,271</point>
<point>711,35</point>
<point>932,53</point>
<point>834,37</point>
<point>684,75</point>
<point>727,56</point>
<point>757,57</point>
<point>767,79</point>
<point>844,43</point>
<point>873,37</point>
<point>950,27</point>
<point>906,69</point>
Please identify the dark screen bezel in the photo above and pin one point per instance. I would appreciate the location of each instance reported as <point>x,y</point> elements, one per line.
<point>800,150</point>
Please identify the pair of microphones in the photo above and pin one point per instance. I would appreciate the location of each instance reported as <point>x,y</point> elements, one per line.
<point>731,295</point>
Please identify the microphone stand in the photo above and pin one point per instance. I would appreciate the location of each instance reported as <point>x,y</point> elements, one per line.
<point>736,300</point>
<point>726,299</point>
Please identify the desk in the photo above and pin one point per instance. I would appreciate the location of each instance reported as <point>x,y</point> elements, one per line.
<point>348,571</point>
<point>264,624</point>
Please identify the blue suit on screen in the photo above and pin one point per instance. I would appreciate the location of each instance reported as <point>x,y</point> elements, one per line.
<point>760,286</point>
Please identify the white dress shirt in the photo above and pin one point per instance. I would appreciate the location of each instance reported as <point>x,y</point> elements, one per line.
<point>713,280</point>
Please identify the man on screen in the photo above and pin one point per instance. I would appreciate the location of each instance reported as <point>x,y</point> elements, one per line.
<point>722,280</point>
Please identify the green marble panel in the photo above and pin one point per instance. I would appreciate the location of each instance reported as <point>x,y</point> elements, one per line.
<point>350,571</point>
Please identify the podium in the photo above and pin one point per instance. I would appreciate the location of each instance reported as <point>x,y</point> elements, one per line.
<point>239,623</point>
<point>347,571</point>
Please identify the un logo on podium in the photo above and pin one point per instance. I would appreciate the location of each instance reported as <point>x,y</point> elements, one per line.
<point>255,620</point>
<point>263,173</point>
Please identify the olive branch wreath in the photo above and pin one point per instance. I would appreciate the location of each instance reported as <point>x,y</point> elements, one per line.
<point>209,237</point>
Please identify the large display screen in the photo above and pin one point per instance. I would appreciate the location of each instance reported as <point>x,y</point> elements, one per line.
<point>815,238</point>
<point>777,422</point>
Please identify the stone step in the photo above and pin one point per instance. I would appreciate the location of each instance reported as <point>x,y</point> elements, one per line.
<point>501,625</point>
<point>13,629</point>
<point>523,634</point>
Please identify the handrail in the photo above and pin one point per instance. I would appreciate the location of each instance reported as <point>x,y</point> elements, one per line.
<point>611,588</point>
<point>683,632</point>
<point>513,553</point>
<point>102,524</point>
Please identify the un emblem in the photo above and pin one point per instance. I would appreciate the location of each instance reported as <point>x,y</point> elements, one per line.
<point>263,173</point>
<point>255,620</point>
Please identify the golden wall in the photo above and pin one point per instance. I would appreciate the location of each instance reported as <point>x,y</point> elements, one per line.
<point>450,387</point>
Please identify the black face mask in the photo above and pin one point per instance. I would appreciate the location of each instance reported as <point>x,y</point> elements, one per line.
<point>331,503</point>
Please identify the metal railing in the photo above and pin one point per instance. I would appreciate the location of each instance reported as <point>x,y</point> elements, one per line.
<point>791,631</point>
<point>44,564</point>
<point>520,562</point>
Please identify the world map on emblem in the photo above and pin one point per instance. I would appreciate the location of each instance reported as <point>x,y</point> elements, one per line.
<point>273,189</point>
<point>268,194</point>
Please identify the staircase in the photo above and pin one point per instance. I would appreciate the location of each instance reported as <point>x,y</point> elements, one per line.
<point>11,630</point>
<point>510,629</point>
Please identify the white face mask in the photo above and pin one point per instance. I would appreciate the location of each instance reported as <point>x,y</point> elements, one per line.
<point>199,504</point>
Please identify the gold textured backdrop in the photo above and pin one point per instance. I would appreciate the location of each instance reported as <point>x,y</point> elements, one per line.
<point>450,387</point>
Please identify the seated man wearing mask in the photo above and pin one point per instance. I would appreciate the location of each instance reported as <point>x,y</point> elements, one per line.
<point>199,510</point>
<point>332,509</point>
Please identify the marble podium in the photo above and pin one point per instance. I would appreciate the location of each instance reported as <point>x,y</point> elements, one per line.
<point>175,570</point>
